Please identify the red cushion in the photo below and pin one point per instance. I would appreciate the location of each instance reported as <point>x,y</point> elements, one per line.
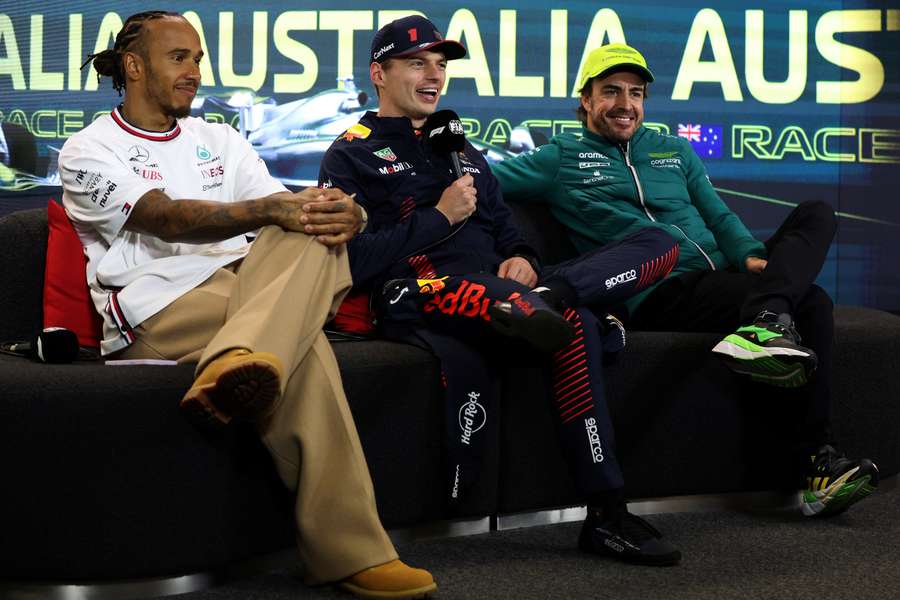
<point>67,301</point>
<point>354,316</point>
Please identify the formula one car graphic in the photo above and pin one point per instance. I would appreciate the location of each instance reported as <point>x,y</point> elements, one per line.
<point>21,166</point>
<point>292,137</point>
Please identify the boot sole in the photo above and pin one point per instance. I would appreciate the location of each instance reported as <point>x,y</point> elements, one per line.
<point>360,592</point>
<point>780,367</point>
<point>838,497</point>
<point>544,330</point>
<point>244,392</point>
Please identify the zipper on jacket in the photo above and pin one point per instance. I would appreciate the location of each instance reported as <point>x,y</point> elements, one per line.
<point>626,152</point>
<point>453,230</point>
<point>705,255</point>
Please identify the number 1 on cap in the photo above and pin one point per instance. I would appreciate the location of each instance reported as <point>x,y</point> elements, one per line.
<point>413,34</point>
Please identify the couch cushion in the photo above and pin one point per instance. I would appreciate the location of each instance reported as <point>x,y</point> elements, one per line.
<point>106,479</point>
<point>24,238</point>
<point>67,299</point>
<point>685,424</point>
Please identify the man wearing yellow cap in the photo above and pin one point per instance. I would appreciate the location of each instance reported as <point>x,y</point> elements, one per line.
<point>617,176</point>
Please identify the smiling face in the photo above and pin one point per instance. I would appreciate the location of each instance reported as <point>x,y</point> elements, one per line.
<point>173,65</point>
<point>410,86</point>
<point>615,105</point>
<point>163,73</point>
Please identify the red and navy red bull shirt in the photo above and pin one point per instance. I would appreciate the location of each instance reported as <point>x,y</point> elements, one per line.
<point>397,178</point>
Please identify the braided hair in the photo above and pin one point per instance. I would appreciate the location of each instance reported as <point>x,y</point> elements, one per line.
<point>108,63</point>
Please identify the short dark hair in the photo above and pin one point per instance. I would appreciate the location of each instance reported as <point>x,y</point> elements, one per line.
<point>586,91</point>
<point>385,65</point>
<point>130,38</point>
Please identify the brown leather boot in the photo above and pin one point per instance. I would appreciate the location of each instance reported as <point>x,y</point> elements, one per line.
<point>393,580</point>
<point>237,384</point>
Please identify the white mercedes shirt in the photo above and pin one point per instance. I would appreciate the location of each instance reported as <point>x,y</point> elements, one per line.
<point>108,166</point>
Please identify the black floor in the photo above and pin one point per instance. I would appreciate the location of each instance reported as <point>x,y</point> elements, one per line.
<point>769,554</point>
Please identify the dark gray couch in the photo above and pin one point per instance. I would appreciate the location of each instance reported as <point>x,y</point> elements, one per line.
<point>104,480</point>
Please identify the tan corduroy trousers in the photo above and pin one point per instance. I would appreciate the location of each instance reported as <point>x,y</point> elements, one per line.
<point>277,300</point>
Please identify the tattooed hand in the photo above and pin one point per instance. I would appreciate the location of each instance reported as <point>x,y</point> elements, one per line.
<point>329,214</point>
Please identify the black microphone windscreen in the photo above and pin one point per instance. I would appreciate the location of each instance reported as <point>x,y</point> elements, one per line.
<point>55,345</point>
<point>445,132</point>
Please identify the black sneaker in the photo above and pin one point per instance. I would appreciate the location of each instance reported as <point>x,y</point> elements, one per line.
<point>835,482</point>
<point>626,537</point>
<point>528,317</point>
<point>769,351</point>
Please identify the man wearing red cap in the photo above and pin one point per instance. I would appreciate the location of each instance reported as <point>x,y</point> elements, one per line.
<point>446,268</point>
<point>725,280</point>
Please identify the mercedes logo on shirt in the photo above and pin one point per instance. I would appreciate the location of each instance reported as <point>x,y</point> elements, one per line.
<point>138,154</point>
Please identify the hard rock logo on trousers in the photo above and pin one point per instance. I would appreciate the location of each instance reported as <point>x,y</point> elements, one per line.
<point>472,417</point>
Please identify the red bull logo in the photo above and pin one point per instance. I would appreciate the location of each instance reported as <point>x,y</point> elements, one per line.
<point>431,286</point>
<point>468,300</point>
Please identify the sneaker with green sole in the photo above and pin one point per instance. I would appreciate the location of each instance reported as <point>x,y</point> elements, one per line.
<point>835,482</point>
<point>768,351</point>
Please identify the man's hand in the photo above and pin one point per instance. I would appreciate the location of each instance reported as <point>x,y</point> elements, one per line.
<point>458,200</point>
<point>329,214</point>
<point>518,269</point>
<point>755,264</point>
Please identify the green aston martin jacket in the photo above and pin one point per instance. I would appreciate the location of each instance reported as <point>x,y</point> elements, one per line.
<point>602,191</point>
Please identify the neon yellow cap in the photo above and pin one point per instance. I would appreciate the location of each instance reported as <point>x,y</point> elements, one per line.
<point>613,57</point>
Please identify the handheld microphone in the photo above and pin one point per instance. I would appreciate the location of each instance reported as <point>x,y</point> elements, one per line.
<point>52,345</point>
<point>447,136</point>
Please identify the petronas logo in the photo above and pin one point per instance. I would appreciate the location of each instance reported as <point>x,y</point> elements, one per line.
<point>386,154</point>
<point>202,152</point>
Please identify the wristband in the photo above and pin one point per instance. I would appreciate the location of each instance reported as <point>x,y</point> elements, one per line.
<point>365,219</point>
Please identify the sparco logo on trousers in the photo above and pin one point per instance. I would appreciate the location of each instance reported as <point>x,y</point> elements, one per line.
<point>590,425</point>
<point>472,417</point>
<point>621,278</point>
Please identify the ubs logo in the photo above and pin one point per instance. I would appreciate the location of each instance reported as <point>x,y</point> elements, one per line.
<point>138,154</point>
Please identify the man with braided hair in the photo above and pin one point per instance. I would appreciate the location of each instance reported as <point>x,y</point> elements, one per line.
<point>165,206</point>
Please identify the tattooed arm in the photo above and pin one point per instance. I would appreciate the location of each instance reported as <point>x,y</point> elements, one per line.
<point>328,214</point>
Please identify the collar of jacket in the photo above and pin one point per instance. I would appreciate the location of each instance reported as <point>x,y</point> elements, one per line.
<point>389,126</point>
<point>602,139</point>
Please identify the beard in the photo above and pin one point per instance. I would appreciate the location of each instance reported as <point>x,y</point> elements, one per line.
<point>614,134</point>
<point>157,93</point>
<point>179,112</point>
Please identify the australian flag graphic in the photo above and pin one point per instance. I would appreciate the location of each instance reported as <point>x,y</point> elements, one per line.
<point>706,139</point>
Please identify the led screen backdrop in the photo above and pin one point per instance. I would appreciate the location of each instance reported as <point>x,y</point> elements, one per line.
<point>785,101</point>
